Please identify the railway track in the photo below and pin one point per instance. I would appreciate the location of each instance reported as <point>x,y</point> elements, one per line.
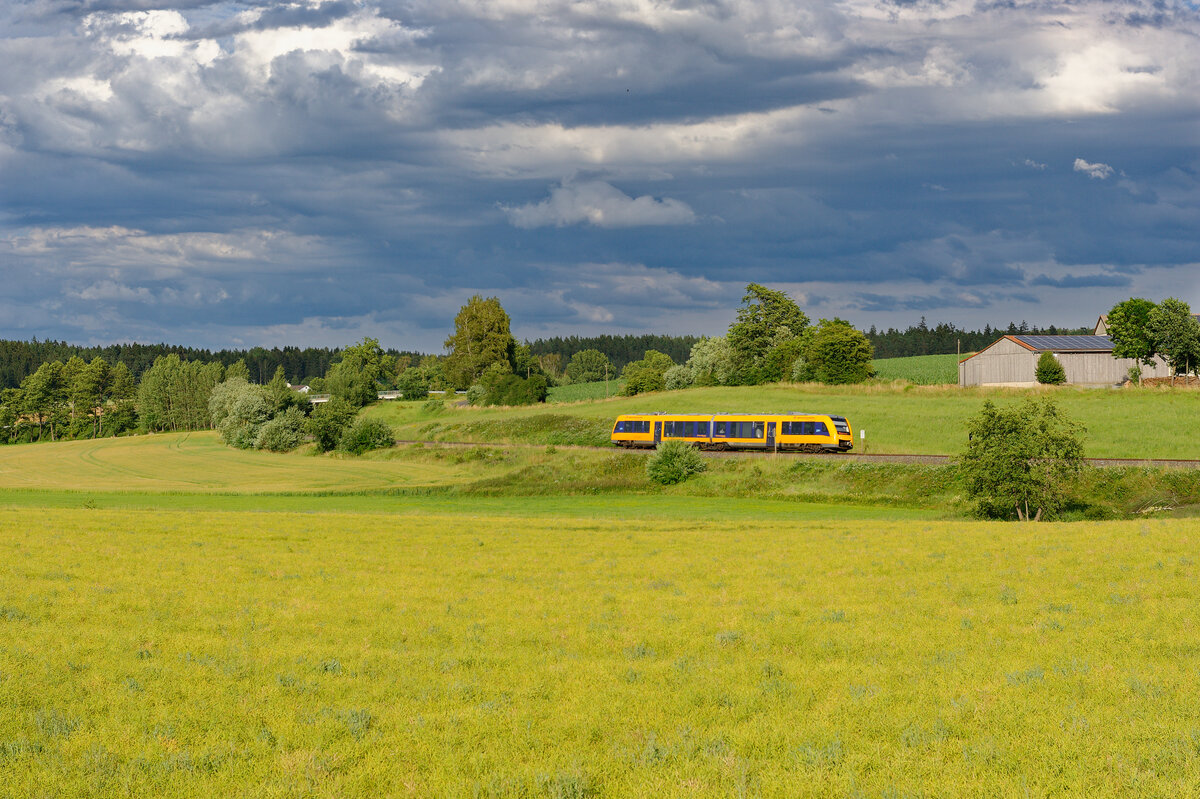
<point>1159,463</point>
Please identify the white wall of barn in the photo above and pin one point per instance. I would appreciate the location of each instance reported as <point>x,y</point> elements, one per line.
<point>1007,363</point>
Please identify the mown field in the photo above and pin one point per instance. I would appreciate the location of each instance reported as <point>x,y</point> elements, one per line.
<point>898,417</point>
<point>166,653</point>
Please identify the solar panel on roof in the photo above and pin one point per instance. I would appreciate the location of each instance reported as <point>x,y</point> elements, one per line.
<point>1068,343</point>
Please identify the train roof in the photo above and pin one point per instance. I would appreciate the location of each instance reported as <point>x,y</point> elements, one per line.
<point>735,413</point>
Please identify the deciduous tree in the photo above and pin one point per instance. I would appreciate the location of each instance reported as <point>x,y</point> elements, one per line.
<point>588,366</point>
<point>646,374</point>
<point>481,338</point>
<point>764,312</point>
<point>1176,335</point>
<point>837,353</point>
<point>1129,329</point>
<point>357,375</point>
<point>1021,460</point>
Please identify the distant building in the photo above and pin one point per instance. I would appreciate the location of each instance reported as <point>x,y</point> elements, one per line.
<point>1087,361</point>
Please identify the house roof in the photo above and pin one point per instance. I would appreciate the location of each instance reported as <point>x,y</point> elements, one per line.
<point>1064,343</point>
<point>1053,344</point>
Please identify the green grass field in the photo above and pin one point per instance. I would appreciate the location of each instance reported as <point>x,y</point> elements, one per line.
<point>585,391</point>
<point>922,370</point>
<point>159,653</point>
<point>179,618</point>
<point>898,418</point>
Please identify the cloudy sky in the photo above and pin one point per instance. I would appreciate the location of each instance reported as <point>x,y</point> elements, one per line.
<point>231,174</point>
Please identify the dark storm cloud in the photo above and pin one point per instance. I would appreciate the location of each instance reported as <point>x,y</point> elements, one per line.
<point>312,172</point>
<point>1082,281</point>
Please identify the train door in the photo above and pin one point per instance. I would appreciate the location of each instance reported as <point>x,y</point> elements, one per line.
<point>657,433</point>
<point>770,435</point>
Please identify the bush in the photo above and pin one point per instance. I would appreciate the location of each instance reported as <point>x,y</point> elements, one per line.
<point>328,422</point>
<point>1049,371</point>
<point>510,389</point>
<point>283,433</point>
<point>838,354</point>
<point>674,462</point>
<point>367,434</point>
<point>1025,458</point>
<point>246,411</point>
<point>413,385</point>
<point>677,377</point>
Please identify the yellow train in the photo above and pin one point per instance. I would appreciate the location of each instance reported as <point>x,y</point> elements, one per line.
<point>797,432</point>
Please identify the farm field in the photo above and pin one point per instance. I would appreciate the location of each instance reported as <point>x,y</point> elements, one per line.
<point>153,653</point>
<point>922,370</point>
<point>898,417</point>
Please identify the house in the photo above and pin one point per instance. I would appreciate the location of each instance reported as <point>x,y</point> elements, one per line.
<point>1087,361</point>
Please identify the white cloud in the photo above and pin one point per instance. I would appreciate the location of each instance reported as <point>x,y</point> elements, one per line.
<point>1099,171</point>
<point>602,205</point>
<point>116,247</point>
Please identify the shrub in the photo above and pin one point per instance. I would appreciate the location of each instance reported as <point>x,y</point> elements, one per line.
<point>413,384</point>
<point>674,462</point>
<point>247,411</point>
<point>837,353</point>
<point>677,377</point>
<point>1023,458</point>
<point>1049,371</point>
<point>510,389</point>
<point>328,422</point>
<point>283,433</point>
<point>367,434</point>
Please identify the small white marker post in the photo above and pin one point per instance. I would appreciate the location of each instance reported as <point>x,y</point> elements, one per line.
<point>862,436</point>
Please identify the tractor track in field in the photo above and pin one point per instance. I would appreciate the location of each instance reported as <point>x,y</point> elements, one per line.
<point>854,457</point>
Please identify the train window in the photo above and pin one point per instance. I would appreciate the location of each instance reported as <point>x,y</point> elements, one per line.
<point>718,429</point>
<point>642,427</point>
<point>819,429</point>
<point>620,427</point>
<point>758,430</point>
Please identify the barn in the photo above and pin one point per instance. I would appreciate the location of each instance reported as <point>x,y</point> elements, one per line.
<point>1087,361</point>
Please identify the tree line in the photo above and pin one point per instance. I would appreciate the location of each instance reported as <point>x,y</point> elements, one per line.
<point>19,359</point>
<point>944,338</point>
<point>619,350</point>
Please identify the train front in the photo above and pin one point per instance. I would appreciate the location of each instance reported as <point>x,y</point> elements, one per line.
<point>845,435</point>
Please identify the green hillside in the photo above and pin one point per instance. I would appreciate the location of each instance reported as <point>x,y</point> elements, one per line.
<point>1126,423</point>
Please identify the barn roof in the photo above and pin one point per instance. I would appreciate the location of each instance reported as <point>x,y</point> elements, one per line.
<point>1065,343</point>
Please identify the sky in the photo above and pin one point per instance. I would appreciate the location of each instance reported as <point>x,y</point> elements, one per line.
<point>223,174</point>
